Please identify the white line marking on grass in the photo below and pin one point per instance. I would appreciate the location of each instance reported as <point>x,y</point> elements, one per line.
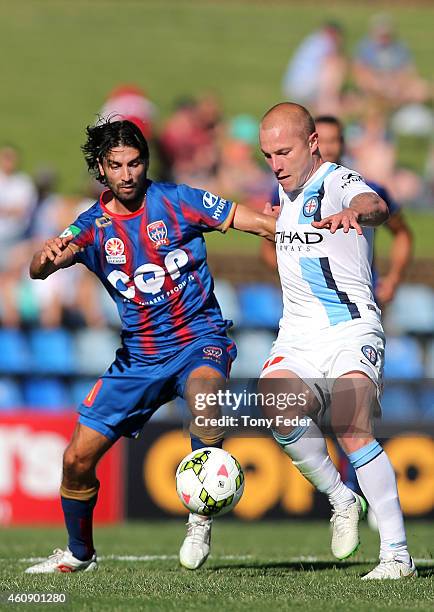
<point>168,557</point>
<point>147,558</point>
<point>143,558</point>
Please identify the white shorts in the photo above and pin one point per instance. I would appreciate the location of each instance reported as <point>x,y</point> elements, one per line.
<point>354,346</point>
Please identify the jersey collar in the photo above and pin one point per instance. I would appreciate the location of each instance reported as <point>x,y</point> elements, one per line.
<point>292,195</point>
<point>105,198</point>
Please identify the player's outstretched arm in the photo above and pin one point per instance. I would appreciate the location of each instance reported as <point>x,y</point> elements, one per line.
<point>248,220</point>
<point>56,253</point>
<point>364,209</point>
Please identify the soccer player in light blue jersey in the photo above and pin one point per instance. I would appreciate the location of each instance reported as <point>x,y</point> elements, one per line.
<point>145,242</point>
<point>331,343</point>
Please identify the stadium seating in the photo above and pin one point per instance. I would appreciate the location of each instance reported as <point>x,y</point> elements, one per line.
<point>403,358</point>
<point>35,363</point>
<point>426,401</point>
<point>14,352</point>
<point>400,404</point>
<point>261,306</point>
<point>95,350</point>
<point>10,394</point>
<point>52,351</point>
<point>429,365</point>
<point>228,300</point>
<point>46,394</point>
<point>412,311</point>
<point>253,350</point>
<point>80,389</point>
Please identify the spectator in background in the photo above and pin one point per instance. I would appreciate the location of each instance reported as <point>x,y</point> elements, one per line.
<point>210,115</point>
<point>316,72</point>
<point>17,201</point>
<point>373,151</point>
<point>132,103</point>
<point>331,142</point>
<point>239,173</point>
<point>188,143</point>
<point>384,70</point>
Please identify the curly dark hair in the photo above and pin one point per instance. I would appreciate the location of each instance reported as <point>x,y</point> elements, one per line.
<point>107,135</point>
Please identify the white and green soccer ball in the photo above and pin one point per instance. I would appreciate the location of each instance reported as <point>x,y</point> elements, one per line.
<point>209,481</point>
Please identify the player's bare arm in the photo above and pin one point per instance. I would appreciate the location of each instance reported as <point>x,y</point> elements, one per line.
<point>247,220</point>
<point>400,256</point>
<point>365,209</point>
<point>55,254</point>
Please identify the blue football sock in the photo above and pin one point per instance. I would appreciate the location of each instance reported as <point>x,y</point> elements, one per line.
<point>78,520</point>
<point>347,472</point>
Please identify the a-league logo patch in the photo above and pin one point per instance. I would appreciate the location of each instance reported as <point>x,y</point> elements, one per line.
<point>115,251</point>
<point>370,353</point>
<point>310,207</point>
<point>157,232</point>
<point>213,352</point>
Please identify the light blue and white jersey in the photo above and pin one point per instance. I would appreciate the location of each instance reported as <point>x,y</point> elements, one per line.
<point>326,278</point>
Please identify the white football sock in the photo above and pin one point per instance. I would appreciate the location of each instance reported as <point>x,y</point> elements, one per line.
<point>308,451</point>
<point>378,482</point>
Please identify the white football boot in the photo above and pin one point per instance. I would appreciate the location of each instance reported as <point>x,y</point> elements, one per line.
<point>195,548</point>
<point>390,568</point>
<point>63,561</point>
<point>345,526</point>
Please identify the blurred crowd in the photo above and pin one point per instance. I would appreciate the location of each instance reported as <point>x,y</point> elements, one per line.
<point>195,145</point>
<point>378,94</point>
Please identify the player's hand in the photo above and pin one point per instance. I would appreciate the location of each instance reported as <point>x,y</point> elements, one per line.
<point>54,248</point>
<point>345,220</point>
<point>272,211</point>
<point>385,290</point>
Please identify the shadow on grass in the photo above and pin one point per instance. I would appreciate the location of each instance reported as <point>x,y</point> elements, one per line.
<point>297,566</point>
<point>426,571</point>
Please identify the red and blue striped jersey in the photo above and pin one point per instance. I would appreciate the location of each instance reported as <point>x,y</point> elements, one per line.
<point>153,264</point>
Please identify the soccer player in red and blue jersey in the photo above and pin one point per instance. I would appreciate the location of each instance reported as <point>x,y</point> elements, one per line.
<point>144,240</point>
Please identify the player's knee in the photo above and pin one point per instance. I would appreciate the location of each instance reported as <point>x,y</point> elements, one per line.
<point>351,445</point>
<point>76,465</point>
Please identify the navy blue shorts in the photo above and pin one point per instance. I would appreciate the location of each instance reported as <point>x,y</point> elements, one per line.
<point>135,385</point>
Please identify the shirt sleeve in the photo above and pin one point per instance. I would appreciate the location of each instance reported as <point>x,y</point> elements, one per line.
<point>205,210</point>
<point>347,184</point>
<point>84,236</point>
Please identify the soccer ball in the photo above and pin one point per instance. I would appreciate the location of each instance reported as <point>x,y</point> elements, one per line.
<point>209,481</point>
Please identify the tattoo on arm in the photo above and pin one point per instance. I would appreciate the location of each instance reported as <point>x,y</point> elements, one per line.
<point>371,208</point>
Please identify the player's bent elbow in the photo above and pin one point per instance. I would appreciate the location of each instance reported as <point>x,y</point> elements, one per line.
<point>36,274</point>
<point>383,211</point>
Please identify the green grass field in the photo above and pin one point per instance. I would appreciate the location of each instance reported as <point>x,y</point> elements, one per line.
<point>278,565</point>
<point>61,58</point>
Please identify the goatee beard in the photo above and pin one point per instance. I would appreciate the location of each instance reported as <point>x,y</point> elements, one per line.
<point>134,200</point>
